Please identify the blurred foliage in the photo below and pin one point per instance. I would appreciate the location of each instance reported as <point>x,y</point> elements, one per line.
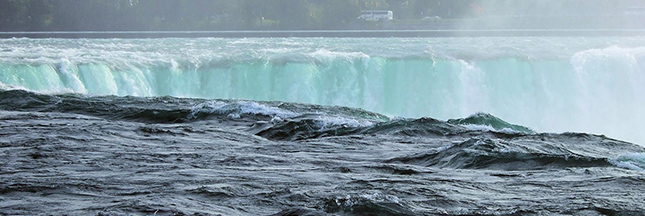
<point>48,15</point>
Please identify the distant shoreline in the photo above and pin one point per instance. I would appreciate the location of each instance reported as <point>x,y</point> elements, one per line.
<point>331,33</point>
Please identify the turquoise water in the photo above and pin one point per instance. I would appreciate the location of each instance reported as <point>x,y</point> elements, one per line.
<point>592,85</point>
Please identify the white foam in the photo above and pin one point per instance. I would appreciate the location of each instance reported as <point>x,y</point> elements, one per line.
<point>633,161</point>
<point>350,201</point>
<point>489,128</point>
<point>250,107</point>
<point>276,120</point>
<point>331,55</point>
<point>331,121</point>
<point>378,197</point>
<point>12,87</point>
<point>236,109</point>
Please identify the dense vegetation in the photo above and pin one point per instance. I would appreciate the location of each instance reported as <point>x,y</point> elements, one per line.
<point>44,15</point>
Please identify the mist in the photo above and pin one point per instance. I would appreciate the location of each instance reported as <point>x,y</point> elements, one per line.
<point>556,14</point>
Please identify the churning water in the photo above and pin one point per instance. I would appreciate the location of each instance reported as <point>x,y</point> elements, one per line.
<point>297,126</point>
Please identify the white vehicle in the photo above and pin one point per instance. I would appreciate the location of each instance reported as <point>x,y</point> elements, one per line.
<point>376,15</point>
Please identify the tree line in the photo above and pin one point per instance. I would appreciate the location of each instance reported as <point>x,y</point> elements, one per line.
<point>200,15</point>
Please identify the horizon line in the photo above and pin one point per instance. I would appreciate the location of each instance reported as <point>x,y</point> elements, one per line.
<point>326,33</point>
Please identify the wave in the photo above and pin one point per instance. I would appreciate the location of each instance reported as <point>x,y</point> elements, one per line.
<point>499,155</point>
<point>356,204</point>
<point>633,161</point>
<point>151,110</point>
<point>499,146</point>
<point>368,204</point>
<point>313,127</point>
<point>485,121</point>
<point>173,110</point>
<point>530,152</point>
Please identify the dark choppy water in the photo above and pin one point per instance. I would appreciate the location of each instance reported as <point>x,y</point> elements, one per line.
<point>81,155</point>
